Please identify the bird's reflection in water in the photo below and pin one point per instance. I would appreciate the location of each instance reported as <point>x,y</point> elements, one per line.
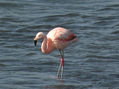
<point>60,85</point>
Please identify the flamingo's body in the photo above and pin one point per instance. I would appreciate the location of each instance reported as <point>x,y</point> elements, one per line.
<point>58,38</point>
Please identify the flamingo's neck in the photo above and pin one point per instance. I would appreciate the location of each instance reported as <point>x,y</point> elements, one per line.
<point>47,45</point>
<point>44,44</point>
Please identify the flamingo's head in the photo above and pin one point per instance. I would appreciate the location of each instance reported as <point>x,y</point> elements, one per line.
<point>39,35</point>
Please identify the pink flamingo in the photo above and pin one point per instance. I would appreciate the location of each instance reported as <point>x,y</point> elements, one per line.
<point>58,38</point>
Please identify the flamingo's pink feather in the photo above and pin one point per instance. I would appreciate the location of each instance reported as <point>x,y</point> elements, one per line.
<point>61,37</point>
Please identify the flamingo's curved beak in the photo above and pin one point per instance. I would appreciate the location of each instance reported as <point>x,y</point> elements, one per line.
<point>35,42</point>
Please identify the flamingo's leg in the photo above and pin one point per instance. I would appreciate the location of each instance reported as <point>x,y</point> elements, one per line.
<point>62,72</point>
<point>61,66</point>
<point>59,70</point>
<point>62,61</point>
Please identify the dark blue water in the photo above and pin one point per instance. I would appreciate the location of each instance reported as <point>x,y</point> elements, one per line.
<point>91,63</point>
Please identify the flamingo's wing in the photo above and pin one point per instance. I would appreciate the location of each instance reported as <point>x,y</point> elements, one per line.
<point>61,37</point>
<point>61,34</point>
<point>65,35</point>
<point>69,37</point>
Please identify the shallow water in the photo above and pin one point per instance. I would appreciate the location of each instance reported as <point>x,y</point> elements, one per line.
<point>91,63</point>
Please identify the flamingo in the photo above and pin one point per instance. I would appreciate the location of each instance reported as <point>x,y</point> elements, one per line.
<point>58,38</point>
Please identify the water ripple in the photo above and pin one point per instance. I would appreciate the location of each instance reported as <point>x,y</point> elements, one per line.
<point>90,63</point>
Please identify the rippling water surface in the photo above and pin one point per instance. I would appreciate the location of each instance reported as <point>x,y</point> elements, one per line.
<point>91,63</point>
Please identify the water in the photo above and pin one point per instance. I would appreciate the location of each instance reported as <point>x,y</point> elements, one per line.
<point>91,63</point>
